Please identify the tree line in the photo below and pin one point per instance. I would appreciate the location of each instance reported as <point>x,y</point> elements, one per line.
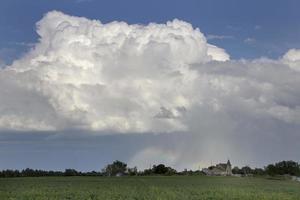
<point>281,168</point>
<point>39,173</point>
<point>118,168</point>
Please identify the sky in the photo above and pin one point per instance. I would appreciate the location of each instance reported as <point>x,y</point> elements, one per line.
<point>184,83</point>
<point>246,29</point>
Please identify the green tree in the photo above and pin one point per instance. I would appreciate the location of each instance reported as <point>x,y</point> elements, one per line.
<point>132,171</point>
<point>71,172</point>
<point>115,168</point>
<point>284,167</point>
<point>162,169</point>
<point>246,170</point>
<point>236,170</point>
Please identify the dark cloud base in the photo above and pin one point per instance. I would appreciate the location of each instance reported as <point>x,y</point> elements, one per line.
<point>85,151</point>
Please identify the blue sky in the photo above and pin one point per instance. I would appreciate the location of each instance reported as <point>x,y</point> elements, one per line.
<point>246,29</point>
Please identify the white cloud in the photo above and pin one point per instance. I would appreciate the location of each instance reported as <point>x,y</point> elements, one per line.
<point>125,78</point>
<point>218,37</point>
<point>217,53</point>
<point>109,76</point>
<point>250,40</point>
<point>292,58</point>
<point>257,27</point>
<point>120,78</point>
<point>26,44</point>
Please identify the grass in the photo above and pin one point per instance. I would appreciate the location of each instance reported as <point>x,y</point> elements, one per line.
<point>148,188</point>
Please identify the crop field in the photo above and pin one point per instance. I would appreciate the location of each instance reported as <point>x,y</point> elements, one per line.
<point>150,188</point>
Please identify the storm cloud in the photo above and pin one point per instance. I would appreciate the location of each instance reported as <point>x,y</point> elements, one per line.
<point>116,78</point>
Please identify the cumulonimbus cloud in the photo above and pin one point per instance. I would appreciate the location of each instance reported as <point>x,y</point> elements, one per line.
<point>122,78</point>
<point>2,63</point>
<point>292,58</point>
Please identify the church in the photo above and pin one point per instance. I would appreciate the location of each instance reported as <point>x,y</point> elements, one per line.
<point>221,169</point>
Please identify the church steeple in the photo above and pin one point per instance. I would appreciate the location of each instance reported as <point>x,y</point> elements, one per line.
<point>228,163</point>
<point>228,168</point>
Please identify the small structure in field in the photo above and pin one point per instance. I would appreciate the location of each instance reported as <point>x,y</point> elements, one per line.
<point>296,178</point>
<point>119,174</point>
<point>221,169</point>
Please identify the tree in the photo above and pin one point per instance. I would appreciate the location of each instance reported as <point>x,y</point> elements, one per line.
<point>284,167</point>
<point>71,172</point>
<point>115,168</point>
<point>236,170</point>
<point>259,171</point>
<point>162,169</point>
<point>147,172</point>
<point>246,170</point>
<point>132,171</point>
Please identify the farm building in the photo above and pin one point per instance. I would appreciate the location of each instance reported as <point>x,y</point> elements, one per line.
<point>221,169</point>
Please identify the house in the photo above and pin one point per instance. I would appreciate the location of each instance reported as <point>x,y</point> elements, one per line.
<point>221,169</point>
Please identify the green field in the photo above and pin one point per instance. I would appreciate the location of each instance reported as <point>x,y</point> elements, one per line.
<point>152,188</point>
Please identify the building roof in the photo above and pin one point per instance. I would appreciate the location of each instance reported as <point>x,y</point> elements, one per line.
<point>221,166</point>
